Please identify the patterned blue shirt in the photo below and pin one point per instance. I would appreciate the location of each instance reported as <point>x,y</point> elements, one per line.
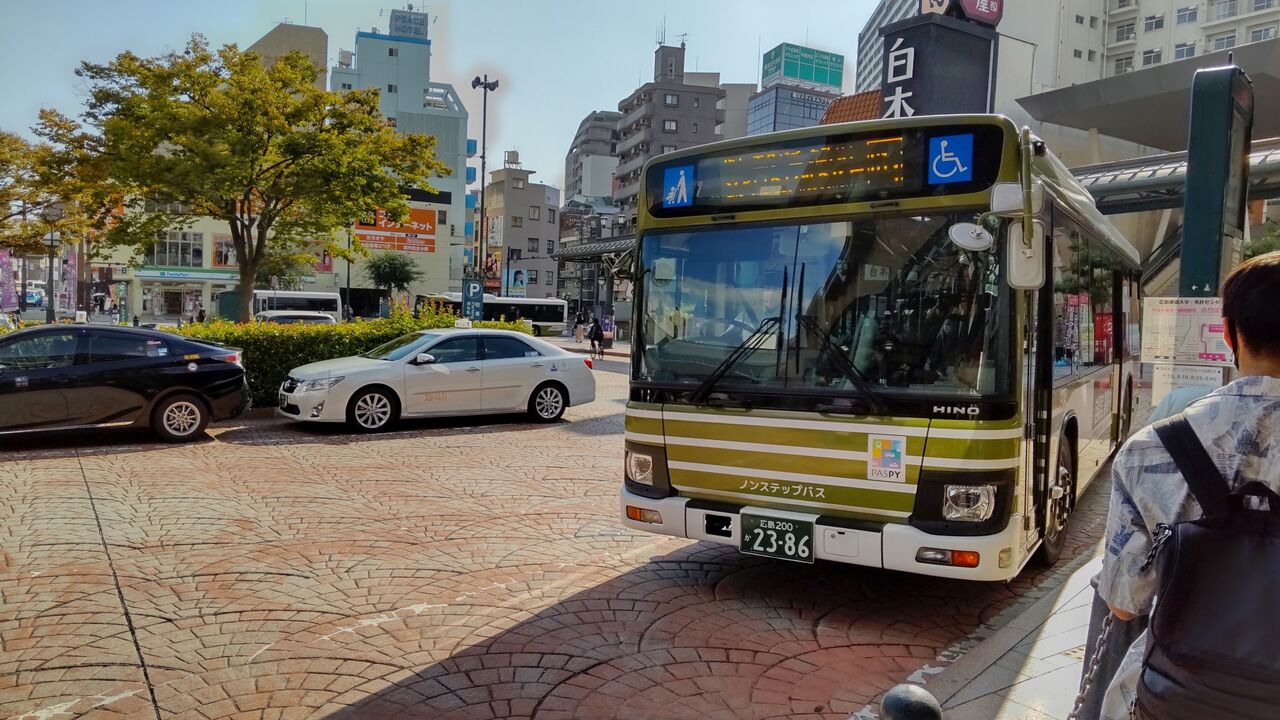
<point>1238,424</point>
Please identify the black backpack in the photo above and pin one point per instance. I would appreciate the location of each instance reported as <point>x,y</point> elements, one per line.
<point>1213,645</point>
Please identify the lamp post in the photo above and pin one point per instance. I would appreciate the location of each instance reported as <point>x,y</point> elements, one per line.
<point>488,85</point>
<point>347,311</point>
<point>51,241</point>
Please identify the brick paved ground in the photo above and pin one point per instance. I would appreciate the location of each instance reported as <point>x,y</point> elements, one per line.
<point>446,570</point>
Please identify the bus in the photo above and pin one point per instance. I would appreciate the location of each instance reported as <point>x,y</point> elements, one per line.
<point>549,316</point>
<point>902,343</point>
<point>329,303</point>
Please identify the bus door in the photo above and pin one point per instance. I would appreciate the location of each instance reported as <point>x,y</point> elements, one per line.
<point>1032,391</point>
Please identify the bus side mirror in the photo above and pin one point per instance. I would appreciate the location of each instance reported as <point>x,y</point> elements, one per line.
<point>1025,257</point>
<point>1006,198</point>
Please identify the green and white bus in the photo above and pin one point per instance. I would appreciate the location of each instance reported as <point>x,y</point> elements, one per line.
<point>898,343</point>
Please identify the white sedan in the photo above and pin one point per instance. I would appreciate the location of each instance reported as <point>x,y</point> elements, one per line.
<point>440,372</point>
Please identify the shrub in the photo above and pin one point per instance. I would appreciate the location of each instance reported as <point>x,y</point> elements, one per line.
<point>271,350</point>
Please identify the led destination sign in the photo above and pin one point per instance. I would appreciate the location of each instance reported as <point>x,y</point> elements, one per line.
<point>830,170</point>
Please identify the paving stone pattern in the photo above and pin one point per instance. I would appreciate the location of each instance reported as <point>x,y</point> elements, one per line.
<point>459,569</point>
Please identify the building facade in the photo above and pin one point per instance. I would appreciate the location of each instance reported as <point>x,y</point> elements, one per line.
<point>782,107</point>
<point>670,113</point>
<point>593,155</point>
<point>871,45</point>
<point>287,37</point>
<point>1143,33</point>
<point>524,230</point>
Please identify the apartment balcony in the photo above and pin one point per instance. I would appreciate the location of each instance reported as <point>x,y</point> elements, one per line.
<point>1234,11</point>
<point>630,190</point>
<point>642,136</point>
<point>1121,40</point>
<point>631,165</point>
<point>1118,9</point>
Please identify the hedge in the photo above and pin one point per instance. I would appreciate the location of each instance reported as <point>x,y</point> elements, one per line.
<point>271,350</point>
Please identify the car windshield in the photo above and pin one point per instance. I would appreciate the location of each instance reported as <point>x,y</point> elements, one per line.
<point>894,297</point>
<point>400,348</point>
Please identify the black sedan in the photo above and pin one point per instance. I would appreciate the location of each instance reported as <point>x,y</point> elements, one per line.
<point>85,376</point>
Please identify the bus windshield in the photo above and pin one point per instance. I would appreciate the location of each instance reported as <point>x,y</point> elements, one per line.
<point>910,310</point>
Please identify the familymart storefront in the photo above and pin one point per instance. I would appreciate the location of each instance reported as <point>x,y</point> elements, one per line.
<point>162,295</point>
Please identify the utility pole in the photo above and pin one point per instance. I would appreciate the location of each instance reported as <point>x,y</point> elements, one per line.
<point>348,312</point>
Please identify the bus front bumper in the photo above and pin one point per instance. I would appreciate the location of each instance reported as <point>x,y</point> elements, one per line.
<point>892,546</point>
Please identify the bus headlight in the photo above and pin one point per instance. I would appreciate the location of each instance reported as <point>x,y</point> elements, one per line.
<point>968,503</point>
<point>639,467</point>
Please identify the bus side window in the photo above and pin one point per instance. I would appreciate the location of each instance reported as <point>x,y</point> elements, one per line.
<point>1066,301</point>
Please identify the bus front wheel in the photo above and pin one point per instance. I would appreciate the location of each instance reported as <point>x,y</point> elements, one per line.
<point>1057,506</point>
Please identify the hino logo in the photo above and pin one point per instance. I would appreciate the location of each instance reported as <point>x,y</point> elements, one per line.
<point>956,409</point>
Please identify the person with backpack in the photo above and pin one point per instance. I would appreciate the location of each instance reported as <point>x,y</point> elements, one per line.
<point>1193,534</point>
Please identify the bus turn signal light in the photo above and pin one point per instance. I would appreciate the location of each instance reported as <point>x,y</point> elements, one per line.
<point>955,558</point>
<point>643,515</point>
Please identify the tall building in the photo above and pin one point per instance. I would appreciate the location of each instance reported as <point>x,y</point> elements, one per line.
<point>672,112</point>
<point>734,104</point>
<point>1142,34</point>
<point>592,156</point>
<point>523,231</point>
<point>286,37</point>
<point>799,84</point>
<point>398,64</point>
<point>871,45</point>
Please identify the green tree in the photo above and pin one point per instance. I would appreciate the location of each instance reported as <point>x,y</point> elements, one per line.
<point>291,265</point>
<point>1263,245</point>
<point>393,272</point>
<point>216,133</point>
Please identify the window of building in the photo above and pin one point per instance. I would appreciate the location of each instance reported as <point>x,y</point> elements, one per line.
<point>517,221</point>
<point>1077,53</point>
<point>535,212</point>
<point>1093,22</point>
<point>1079,19</point>
<point>1188,15</point>
<point>1259,34</point>
<point>1153,23</point>
<point>1124,64</point>
<point>551,246</point>
<point>391,122</point>
<point>551,215</point>
<point>695,128</point>
<point>1126,31</point>
<point>346,86</point>
<point>671,68</point>
<point>670,99</point>
<point>550,278</point>
<point>442,217</point>
<point>533,245</point>
<point>669,126</point>
<point>1222,10</point>
<point>517,183</point>
<point>1122,4</point>
<point>514,253</point>
<point>393,52</point>
<point>1263,5</point>
<point>1224,41</point>
<point>668,148</point>
<point>533,277</point>
<point>1151,57</point>
<point>177,249</point>
<point>695,102</point>
<point>393,88</point>
<point>1181,51</point>
<point>1093,55</point>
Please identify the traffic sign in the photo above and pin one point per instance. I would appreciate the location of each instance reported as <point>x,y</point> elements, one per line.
<point>472,300</point>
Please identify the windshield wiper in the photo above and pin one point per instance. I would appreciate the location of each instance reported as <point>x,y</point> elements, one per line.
<point>846,367</point>
<point>746,347</point>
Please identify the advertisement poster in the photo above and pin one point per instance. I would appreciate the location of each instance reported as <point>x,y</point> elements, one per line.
<point>8,284</point>
<point>67,293</point>
<point>224,251</point>
<point>1184,330</point>
<point>416,234</point>
<point>515,283</point>
<point>1103,337</point>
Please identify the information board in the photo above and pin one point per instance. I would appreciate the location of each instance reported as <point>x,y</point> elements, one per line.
<point>1184,331</point>
<point>1167,378</point>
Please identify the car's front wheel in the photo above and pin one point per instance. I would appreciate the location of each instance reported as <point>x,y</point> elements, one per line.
<point>548,403</point>
<point>372,410</point>
<point>179,418</point>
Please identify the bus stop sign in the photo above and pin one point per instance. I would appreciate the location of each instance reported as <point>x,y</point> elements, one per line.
<point>1217,178</point>
<point>472,300</point>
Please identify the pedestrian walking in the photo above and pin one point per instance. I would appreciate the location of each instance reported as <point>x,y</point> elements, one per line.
<point>1194,661</point>
<point>200,316</point>
<point>578,327</point>
<point>596,335</point>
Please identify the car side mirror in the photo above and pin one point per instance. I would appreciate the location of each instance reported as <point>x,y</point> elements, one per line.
<point>424,359</point>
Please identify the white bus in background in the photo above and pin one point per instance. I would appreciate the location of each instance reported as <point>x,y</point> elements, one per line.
<point>329,303</point>
<point>547,315</point>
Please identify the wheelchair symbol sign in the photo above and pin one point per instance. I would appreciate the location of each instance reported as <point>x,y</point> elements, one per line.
<point>950,159</point>
<point>677,186</point>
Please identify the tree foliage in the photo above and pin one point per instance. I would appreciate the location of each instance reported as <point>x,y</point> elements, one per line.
<point>216,133</point>
<point>391,272</point>
<point>292,265</point>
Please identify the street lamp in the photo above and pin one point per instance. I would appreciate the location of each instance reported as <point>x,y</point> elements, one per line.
<point>51,214</point>
<point>488,85</point>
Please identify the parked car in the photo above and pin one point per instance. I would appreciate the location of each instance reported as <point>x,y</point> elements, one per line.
<point>440,372</point>
<point>305,317</point>
<point>81,376</point>
<point>35,298</point>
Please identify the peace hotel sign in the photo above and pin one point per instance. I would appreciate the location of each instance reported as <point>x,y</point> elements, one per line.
<point>936,64</point>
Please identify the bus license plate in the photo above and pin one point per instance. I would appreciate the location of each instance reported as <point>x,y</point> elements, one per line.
<point>773,537</point>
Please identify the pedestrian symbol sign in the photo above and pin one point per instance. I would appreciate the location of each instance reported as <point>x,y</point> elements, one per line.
<point>950,159</point>
<point>677,186</point>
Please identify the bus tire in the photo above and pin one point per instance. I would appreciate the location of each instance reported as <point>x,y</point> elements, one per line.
<point>1058,505</point>
<point>537,331</point>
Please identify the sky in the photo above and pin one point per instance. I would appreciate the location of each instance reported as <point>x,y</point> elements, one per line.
<point>556,60</point>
